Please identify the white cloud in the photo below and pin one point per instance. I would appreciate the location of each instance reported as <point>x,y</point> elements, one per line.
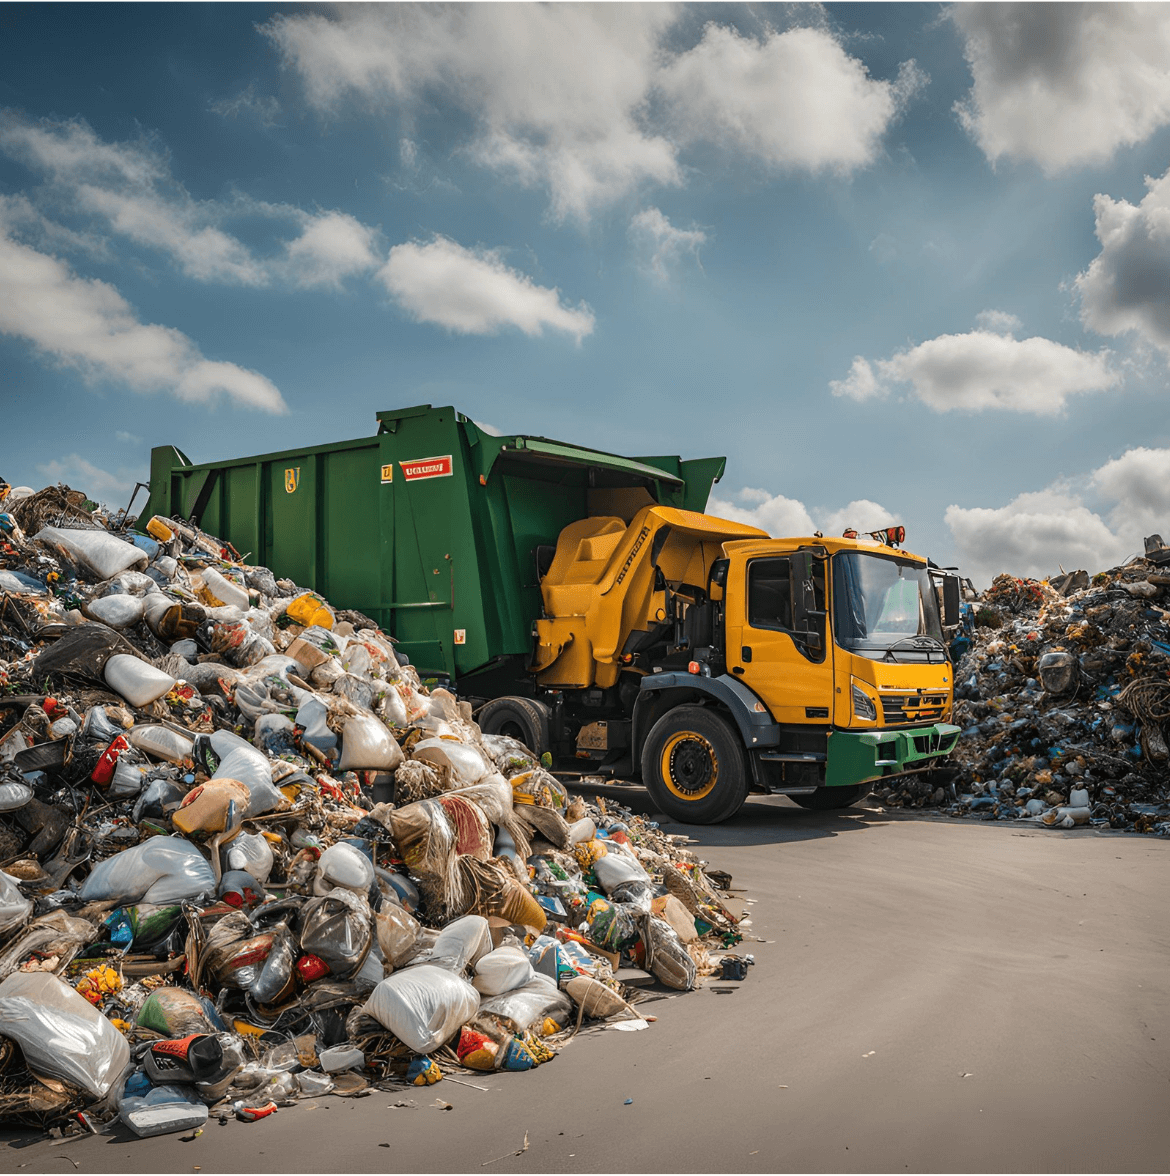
<point>1139,483</point>
<point>660,244</point>
<point>555,89</point>
<point>1037,532</point>
<point>490,430</point>
<point>998,322</point>
<point>88,325</point>
<point>333,246</point>
<point>264,107</point>
<point>984,369</point>
<point>473,292</point>
<point>129,188</point>
<point>78,473</point>
<point>592,102</point>
<point>1127,285</point>
<point>792,99</point>
<point>861,383</point>
<point>1064,84</point>
<point>127,438</point>
<point>781,516</point>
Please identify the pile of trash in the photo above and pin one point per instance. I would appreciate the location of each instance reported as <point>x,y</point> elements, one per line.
<point>246,856</point>
<point>1064,703</point>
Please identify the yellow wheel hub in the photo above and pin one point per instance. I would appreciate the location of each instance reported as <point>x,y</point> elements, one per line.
<point>690,767</point>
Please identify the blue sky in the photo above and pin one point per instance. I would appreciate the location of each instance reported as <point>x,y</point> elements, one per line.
<point>898,262</point>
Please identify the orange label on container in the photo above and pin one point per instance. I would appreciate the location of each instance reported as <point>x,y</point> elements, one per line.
<point>426,467</point>
<point>388,473</point>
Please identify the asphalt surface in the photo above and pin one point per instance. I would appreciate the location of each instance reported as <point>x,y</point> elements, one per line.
<point>929,996</point>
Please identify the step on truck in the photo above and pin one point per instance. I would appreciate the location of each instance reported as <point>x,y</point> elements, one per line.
<point>586,605</point>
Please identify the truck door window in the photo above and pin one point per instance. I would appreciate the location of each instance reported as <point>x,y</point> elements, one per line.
<point>770,594</point>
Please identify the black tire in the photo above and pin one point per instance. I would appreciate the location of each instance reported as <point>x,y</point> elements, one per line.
<point>520,718</point>
<point>693,766</point>
<point>834,798</point>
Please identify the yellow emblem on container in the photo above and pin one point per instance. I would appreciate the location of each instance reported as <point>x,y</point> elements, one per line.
<point>292,479</point>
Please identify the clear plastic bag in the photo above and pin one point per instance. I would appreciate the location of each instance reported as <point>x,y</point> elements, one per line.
<point>367,745</point>
<point>120,611</point>
<point>423,1006</point>
<point>336,927</point>
<point>523,1008</point>
<point>616,869</point>
<point>398,934</point>
<point>160,742</point>
<point>14,907</point>
<point>251,853</point>
<point>61,1034</point>
<point>101,553</point>
<point>161,870</point>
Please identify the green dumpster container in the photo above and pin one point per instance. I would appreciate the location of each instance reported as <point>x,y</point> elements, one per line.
<point>432,527</point>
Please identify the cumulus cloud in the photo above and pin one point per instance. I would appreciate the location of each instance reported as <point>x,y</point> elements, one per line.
<point>333,246</point>
<point>592,102</point>
<point>473,292</point>
<point>781,516</point>
<point>88,325</point>
<point>792,99</point>
<point>1127,285</point>
<point>1064,84</point>
<point>129,189</point>
<point>660,245</point>
<point>987,368</point>
<point>112,489</point>
<point>1096,526</point>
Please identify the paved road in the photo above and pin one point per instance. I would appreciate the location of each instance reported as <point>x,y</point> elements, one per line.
<point>931,996</point>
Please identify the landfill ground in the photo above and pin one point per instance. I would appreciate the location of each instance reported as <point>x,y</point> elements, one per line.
<point>932,995</point>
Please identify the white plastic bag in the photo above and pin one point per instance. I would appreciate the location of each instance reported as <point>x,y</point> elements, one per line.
<point>161,870</point>
<point>530,1005</point>
<point>102,553</point>
<point>163,1111</point>
<point>160,742</point>
<point>367,745</point>
<point>14,907</point>
<point>138,682</point>
<point>119,611</point>
<point>502,970</point>
<point>422,1006</point>
<point>615,868</point>
<point>244,763</point>
<point>462,942</point>
<point>224,590</point>
<point>345,865</point>
<point>61,1034</point>
<point>252,853</point>
<point>465,761</point>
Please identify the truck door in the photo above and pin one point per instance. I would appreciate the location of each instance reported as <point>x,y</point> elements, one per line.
<point>766,650</point>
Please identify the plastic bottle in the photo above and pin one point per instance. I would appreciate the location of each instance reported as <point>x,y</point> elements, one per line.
<point>340,1058</point>
<point>224,590</point>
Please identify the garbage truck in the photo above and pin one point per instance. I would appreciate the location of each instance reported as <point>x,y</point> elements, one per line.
<point>586,605</point>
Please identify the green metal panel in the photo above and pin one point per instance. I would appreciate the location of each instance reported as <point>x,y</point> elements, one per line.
<point>433,552</point>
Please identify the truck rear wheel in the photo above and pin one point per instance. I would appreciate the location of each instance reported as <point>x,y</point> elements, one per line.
<point>693,766</point>
<point>520,718</point>
<point>834,798</point>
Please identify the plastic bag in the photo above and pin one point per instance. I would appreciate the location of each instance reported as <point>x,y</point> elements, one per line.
<point>100,552</point>
<point>462,942</point>
<point>160,742</point>
<point>529,1007</point>
<point>176,1012</point>
<point>119,611</point>
<point>467,762</point>
<point>162,1110</point>
<point>345,865</point>
<point>336,927</point>
<point>14,907</point>
<point>138,682</point>
<point>215,807</point>
<point>251,853</point>
<point>611,925</point>
<point>666,956</point>
<point>423,1006</point>
<point>495,890</point>
<point>250,767</point>
<point>224,590</point>
<point>367,745</point>
<point>595,998</point>
<point>161,870</point>
<point>615,869</point>
<point>61,1034</point>
<point>398,934</point>
<point>501,971</point>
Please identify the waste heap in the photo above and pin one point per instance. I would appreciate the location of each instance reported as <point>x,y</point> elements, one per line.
<point>1064,702</point>
<point>246,856</point>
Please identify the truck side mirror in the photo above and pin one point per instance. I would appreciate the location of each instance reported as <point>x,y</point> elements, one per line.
<point>717,580</point>
<point>950,594</point>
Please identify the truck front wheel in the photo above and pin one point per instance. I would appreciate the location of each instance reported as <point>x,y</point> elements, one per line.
<point>693,766</point>
<point>833,798</point>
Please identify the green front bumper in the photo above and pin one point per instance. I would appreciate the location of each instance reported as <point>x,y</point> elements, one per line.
<point>856,756</point>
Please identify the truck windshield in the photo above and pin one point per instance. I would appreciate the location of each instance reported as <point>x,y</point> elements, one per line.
<point>885,608</point>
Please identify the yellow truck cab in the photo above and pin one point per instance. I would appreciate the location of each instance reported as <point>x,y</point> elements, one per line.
<point>719,660</point>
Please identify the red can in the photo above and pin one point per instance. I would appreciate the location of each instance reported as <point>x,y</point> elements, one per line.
<point>310,968</point>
